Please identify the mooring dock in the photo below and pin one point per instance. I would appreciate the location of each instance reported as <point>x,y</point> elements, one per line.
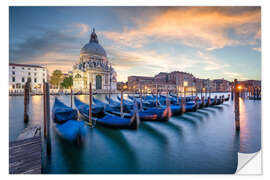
<point>25,153</point>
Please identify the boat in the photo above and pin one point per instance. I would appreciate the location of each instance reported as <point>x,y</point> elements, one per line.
<point>66,124</point>
<point>62,113</point>
<point>126,106</point>
<point>227,98</point>
<point>97,110</point>
<point>150,114</point>
<point>145,103</point>
<point>107,119</point>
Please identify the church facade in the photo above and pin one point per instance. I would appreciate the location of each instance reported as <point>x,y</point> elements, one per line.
<point>93,66</point>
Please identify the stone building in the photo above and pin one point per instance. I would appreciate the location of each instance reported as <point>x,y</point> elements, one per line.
<point>93,66</point>
<point>19,73</point>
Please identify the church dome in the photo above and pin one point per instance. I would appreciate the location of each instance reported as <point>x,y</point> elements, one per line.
<point>93,47</point>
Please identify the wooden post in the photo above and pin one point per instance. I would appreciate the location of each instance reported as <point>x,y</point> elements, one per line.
<point>121,105</point>
<point>202,99</point>
<point>185,92</point>
<point>140,97</point>
<point>46,92</point>
<point>167,99</point>
<point>71,99</point>
<point>232,90</point>
<point>44,110</point>
<point>254,93</point>
<point>26,100</point>
<point>236,105</point>
<point>209,101</point>
<point>177,95</point>
<point>156,95</point>
<point>90,104</point>
<point>183,106</point>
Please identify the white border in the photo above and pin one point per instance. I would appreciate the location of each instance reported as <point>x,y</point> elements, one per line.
<point>4,70</point>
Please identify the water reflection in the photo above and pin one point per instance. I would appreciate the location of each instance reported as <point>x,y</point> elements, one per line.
<point>200,142</point>
<point>250,126</point>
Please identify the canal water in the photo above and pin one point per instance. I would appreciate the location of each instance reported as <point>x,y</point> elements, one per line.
<point>197,142</point>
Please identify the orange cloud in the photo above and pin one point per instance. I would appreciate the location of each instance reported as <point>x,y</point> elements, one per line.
<point>201,27</point>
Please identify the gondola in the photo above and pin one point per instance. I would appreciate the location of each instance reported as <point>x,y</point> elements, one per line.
<point>145,103</point>
<point>150,114</point>
<point>107,119</point>
<point>227,98</point>
<point>126,106</point>
<point>66,124</point>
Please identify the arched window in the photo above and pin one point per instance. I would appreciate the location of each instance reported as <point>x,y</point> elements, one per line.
<point>78,76</point>
<point>98,82</point>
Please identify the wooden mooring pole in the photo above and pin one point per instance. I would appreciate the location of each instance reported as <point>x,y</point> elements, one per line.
<point>156,95</point>
<point>71,98</point>
<point>183,104</point>
<point>236,105</point>
<point>46,123</point>
<point>26,100</point>
<point>140,97</point>
<point>90,104</point>
<point>122,103</point>
<point>232,90</point>
<point>177,95</point>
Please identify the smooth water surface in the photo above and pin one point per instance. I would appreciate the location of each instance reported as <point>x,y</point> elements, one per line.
<point>197,142</point>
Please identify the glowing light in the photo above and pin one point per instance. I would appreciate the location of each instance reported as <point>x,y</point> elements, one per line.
<point>239,87</point>
<point>185,83</point>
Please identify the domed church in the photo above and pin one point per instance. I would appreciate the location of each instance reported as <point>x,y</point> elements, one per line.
<point>93,66</point>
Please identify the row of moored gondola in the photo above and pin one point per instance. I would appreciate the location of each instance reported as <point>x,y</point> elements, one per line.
<point>135,109</point>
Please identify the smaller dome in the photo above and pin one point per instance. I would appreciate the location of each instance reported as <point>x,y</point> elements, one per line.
<point>93,47</point>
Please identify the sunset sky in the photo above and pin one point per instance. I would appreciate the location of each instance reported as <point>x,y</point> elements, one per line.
<point>209,42</point>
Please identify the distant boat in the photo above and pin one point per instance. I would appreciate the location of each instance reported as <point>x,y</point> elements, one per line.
<point>107,119</point>
<point>66,124</point>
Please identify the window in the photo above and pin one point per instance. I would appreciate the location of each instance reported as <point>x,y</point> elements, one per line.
<point>43,74</point>
<point>29,68</point>
<point>43,80</point>
<point>35,74</point>
<point>29,73</point>
<point>43,69</point>
<point>22,79</point>
<point>18,86</point>
<point>22,67</point>
<point>35,69</point>
<point>13,72</point>
<point>13,67</point>
<point>13,86</point>
<point>13,79</point>
<point>35,80</point>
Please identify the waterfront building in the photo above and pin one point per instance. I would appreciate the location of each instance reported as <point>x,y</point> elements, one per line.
<point>19,73</point>
<point>182,80</point>
<point>222,85</point>
<point>93,66</point>
<point>135,83</point>
<point>251,83</point>
<point>162,82</point>
<point>205,85</point>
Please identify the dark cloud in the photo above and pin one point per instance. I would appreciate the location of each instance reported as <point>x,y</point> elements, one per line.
<point>36,46</point>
